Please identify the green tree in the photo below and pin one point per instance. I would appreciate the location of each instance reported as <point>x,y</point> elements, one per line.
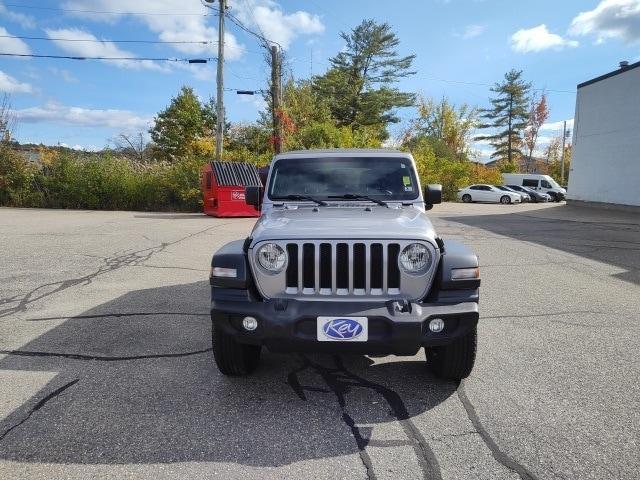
<point>183,122</point>
<point>359,85</point>
<point>507,117</point>
<point>449,126</point>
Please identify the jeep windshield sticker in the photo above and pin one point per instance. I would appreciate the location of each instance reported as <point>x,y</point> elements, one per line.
<point>406,180</point>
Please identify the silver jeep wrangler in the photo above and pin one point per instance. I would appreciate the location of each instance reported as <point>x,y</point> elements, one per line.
<point>345,260</point>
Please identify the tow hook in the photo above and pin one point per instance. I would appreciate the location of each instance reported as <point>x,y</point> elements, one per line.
<point>401,306</point>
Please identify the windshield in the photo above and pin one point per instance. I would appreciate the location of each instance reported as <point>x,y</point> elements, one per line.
<point>551,183</point>
<point>328,178</point>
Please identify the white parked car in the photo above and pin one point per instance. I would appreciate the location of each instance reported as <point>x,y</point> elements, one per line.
<point>487,193</point>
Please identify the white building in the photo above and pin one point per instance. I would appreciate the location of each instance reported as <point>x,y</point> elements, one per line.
<point>606,141</point>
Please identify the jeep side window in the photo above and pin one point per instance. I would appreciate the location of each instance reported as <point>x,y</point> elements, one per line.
<point>528,182</point>
<point>475,187</point>
<point>545,184</point>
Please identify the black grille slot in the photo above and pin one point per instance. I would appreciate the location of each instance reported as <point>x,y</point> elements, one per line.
<point>359,265</point>
<point>342,265</point>
<point>308,266</point>
<point>376,265</point>
<point>325,265</point>
<point>292,267</point>
<point>393,268</point>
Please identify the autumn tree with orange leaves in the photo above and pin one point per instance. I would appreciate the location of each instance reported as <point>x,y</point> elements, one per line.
<point>538,114</point>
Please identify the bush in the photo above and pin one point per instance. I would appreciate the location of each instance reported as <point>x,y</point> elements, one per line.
<point>452,173</point>
<point>107,182</point>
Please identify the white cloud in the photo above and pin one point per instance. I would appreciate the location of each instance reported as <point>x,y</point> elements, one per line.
<point>195,22</point>
<point>94,48</point>
<point>85,117</point>
<point>537,39</point>
<point>471,31</point>
<point>276,25</point>
<point>25,21</point>
<point>256,100</point>
<point>8,84</point>
<point>610,19</point>
<point>557,125</point>
<point>12,45</point>
<point>64,74</point>
<point>171,20</point>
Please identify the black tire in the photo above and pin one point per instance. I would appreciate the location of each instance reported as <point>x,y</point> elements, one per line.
<point>466,198</point>
<point>233,358</point>
<point>505,199</point>
<point>454,361</point>
<point>553,196</point>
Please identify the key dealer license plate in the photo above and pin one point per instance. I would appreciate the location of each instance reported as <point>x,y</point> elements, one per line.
<point>343,329</point>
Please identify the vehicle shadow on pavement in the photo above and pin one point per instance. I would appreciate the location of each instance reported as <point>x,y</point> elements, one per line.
<point>137,383</point>
<point>614,243</point>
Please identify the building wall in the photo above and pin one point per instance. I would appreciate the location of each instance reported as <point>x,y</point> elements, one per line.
<point>606,143</point>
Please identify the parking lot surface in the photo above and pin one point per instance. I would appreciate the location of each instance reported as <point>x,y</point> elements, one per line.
<point>106,368</point>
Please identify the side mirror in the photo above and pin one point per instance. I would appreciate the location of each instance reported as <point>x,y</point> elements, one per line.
<point>253,196</point>
<point>432,195</point>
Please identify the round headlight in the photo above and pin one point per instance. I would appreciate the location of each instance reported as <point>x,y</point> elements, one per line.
<point>415,258</point>
<point>272,257</point>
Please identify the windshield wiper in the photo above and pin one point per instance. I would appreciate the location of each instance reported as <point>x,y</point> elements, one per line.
<point>301,197</point>
<point>353,196</point>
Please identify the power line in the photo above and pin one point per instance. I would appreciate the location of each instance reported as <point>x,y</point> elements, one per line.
<point>100,12</point>
<point>95,40</point>
<point>264,40</point>
<point>80,57</point>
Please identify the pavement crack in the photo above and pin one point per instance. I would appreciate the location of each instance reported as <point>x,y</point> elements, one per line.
<point>426,458</point>
<point>497,453</point>
<point>100,358</point>
<point>41,403</point>
<point>117,315</point>
<point>340,380</point>
<point>110,264</point>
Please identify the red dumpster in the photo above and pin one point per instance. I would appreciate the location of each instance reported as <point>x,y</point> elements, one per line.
<point>223,185</point>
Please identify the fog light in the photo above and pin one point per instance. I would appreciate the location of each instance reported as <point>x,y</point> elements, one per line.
<point>436,325</point>
<point>249,323</point>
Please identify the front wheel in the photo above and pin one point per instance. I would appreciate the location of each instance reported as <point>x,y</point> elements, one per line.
<point>505,200</point>
<point>466,198</point>
<point>454,361</point>
<point>233,358</point>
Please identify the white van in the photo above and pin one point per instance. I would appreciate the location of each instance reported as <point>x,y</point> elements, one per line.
<point>540,183</point>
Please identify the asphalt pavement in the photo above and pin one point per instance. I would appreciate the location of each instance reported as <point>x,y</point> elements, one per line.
<point>106,368</point>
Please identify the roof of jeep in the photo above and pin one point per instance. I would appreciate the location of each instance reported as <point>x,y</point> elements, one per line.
<point>333,152</point>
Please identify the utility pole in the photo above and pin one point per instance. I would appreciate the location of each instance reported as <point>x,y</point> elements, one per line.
<point>220,83</point>
<point>564,139</point>
<point>276,92</point>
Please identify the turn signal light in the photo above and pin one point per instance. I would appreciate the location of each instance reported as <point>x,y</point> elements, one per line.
<point>465,273</point>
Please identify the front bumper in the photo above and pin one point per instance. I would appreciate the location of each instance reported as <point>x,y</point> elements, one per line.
<point>291,325</point>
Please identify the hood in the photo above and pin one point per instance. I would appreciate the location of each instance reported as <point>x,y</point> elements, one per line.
<point>357,222</point>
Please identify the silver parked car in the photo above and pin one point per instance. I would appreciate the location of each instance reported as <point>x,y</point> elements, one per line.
<point>344,259</point>
<point>525,196</point>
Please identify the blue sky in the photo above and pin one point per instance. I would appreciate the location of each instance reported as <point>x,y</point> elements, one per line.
<point>462,47</point>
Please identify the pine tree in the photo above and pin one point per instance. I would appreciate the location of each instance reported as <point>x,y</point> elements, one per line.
<point>508,117</point>
<point>359,85</point>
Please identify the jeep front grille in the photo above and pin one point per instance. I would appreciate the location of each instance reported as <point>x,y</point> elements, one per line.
<point>322,269</point>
